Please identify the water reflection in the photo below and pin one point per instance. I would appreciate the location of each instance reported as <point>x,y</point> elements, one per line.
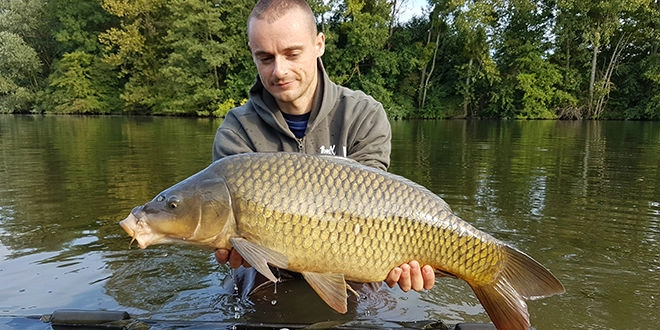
<point>580,197</point>
<point>154,279</point>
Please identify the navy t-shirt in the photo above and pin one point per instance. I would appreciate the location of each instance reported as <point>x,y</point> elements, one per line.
<point>297,123</point>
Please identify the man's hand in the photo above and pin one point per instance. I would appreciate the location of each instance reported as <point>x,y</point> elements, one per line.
<point>235,259</point>
<point>411,276</point>
<point>408,276</point>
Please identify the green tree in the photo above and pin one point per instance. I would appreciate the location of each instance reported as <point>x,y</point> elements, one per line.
<point>19,70</point>
<point>134,47</point>
<point>30,19</point>
<point>529,87</point>
<point>473,21</point>
<point>179,57</point>
<point>492,58</point>
<point>205,42</point>
<point>356,54</point>
<point>537,82</point>
<point>595,24</point>
<point>79,81</point>
<point>637,83</point>
<point>429,52</point>
<point>80,85</point>
<point>77,24</point>
<point>413,56</point>
<point>25,50</point>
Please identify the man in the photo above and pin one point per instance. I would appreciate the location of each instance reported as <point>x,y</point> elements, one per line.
<point>294,106</point>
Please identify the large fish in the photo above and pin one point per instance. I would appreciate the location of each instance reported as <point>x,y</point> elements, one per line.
<point>332,219</point>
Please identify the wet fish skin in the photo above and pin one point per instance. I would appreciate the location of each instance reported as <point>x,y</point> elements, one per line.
<point>333,220</point>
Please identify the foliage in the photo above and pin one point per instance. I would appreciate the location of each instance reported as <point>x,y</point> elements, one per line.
<point>80,85</point>
<point>223,108</point>
<point>531,85</point>
<point>494,58</point>
<point>24,46</point>
<point>178,56</point>
<point>19,67</point>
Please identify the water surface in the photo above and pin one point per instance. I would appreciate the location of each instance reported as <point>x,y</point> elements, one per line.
<point>582,198</point>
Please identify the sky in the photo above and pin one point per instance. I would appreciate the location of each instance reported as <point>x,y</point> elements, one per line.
<point>412,8</point>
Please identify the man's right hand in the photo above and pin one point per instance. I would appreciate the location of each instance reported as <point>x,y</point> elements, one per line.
<point>235,259</point>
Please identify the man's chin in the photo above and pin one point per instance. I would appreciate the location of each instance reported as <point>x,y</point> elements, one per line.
<point>285,96</point>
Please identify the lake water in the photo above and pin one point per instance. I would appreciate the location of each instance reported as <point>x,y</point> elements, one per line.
<point>581,197</point>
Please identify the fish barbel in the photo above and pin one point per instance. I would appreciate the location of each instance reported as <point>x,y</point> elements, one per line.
<point>332,219</point>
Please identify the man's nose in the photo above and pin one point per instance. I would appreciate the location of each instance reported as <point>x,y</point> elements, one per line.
<point>280,67</point>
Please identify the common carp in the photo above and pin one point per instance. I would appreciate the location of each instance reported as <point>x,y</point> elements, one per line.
<point>332,220</point>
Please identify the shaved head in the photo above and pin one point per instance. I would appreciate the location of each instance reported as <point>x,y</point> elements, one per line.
<point>273,10</point>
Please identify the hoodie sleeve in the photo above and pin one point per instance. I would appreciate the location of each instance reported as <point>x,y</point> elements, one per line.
<point>228,140</point>
<point>372,142</point>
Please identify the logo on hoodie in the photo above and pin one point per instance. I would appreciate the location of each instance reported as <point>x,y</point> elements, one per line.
<point>328,151</point>
<point>331,151</point>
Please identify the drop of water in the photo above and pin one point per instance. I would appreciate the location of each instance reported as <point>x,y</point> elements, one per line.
<point>273,302</point>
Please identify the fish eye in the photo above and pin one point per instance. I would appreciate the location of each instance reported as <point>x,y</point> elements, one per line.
<point>173,202</point>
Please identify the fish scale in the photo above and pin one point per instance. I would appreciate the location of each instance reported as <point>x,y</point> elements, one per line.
<point>360,196</point>
<point>352,196</point>
<point>333,220</point>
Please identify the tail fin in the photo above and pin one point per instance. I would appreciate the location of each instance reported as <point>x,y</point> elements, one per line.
<point>521,278</point>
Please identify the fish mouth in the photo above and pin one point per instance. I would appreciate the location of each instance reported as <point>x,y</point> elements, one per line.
<point>133,228</point>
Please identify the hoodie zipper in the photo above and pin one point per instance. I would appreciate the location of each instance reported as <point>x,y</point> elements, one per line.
<point>301,144</point>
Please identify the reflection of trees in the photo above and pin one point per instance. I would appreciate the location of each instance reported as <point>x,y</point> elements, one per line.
<point>568,192</point>
<point>585,192</point>
<point>65,175</point>
<point>70,178</point>
<point>525,170</point>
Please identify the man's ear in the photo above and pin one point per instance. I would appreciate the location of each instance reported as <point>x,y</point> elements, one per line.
<point>320,44</point>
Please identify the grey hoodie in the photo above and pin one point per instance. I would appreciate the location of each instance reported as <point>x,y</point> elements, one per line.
<point>343,122</point>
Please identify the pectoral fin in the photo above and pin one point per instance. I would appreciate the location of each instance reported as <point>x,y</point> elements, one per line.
<point>259,256</point>
<point>331,288</point>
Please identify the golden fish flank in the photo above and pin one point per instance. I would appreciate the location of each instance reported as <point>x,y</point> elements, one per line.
<point>333,220</point>
<point>321,203</point>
